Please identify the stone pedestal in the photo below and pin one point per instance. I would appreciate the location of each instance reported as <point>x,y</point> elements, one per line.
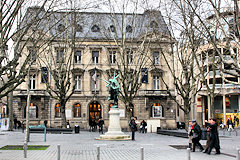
<point>114,128</point>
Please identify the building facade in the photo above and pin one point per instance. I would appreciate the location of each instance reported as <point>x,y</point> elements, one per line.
<point>227,98</point>
<point>96,55</point>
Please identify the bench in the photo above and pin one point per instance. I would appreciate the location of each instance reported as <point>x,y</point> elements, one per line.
<point>51,130</point>
<point>172,133</point>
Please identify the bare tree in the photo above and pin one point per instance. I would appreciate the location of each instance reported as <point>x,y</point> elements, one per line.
<point>181,61</point>
<point>133,36</point>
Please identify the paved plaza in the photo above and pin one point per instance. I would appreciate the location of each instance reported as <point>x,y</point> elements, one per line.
<point>83,147</point>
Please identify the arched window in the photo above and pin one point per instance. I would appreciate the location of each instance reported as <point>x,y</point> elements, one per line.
<point>157,110</point>
<point>153,24</point>
<point>33,111</point>
<point>58,110</point>
<point>95,28</point>
<point>61,28</point>
<point>79,28</point>
<point>112,28</point>
<point>129,29</point>
<point>77,110</point>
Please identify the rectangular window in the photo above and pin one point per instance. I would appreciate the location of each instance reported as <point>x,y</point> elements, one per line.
<point>32,82</point>
<point>60,54</point>
<point>95,57</point>
<point>157,111</point>
<point>78,82</point>
<point>144,75</point>
<point>156,57</point>
<point>156,82</point>
<point>112,56</point>
<point>44,75</point>
<point>77,57</point>
<point>129,57</point>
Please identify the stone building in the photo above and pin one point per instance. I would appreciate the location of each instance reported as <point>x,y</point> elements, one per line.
<point>96,53</point>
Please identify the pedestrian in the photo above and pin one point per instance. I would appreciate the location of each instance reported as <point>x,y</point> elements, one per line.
<point>237,120</point>
<point>196,133</point>
<point>230,124</point>
<point>15,122</point>
<point>133,127</point>
<point>144,125</point>
<point>68,124</point>
<point>189,134</point>
<point>208,138</point>
<point>90,125</point>
<point>214,138</point>
<point>100,125</point>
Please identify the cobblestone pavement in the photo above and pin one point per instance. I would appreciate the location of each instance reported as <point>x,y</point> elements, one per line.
<point>83,147</point>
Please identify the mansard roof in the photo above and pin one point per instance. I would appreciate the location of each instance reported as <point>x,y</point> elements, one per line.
<point>95,25</point>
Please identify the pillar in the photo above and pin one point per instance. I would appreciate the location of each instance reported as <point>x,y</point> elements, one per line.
<point>209,107</point>
<point>224,110</point>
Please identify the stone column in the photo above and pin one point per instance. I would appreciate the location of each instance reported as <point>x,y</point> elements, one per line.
<point>204,110</point>
<point>224,110</point>
<point>209,107</point>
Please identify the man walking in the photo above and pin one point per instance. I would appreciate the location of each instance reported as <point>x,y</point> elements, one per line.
<point>100,125</point>
<point>196,135</point>
<point>214,139</point>
<point>133,127</point>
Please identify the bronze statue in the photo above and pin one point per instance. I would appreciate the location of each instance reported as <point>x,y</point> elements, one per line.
<point>114,89</point>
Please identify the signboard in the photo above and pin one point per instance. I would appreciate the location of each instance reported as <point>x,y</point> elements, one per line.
<point>122,112</point>
<point>32,112</point>
<point>68,113</point>
<point>4,124</point>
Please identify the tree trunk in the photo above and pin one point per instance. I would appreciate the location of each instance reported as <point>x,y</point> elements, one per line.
<point>211,107</point>
<point>186,120</point>
<point>10,106</point>
<point>27,109</point>
<point>63,116</point>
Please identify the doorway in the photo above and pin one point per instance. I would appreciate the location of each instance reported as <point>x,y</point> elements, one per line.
<point>95,111</point>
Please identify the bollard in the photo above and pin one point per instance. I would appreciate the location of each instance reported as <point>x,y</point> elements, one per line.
<point>236,133</point>
<point>230,133</point>
<point>188,154</point>
<point>238,154</point>
<point>22,128</point>
<point>58,153</point>
<point>224,132</point>
<point>25,150</point>
<point>141,153</point>
<point>98,153</point>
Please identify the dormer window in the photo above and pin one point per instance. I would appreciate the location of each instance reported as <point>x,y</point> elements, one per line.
<point>79,28</point>
<point>112,28</point>
<point>61,27</point>
<point>153,24</point>
<point>129,29</point>
<point>95,28</point>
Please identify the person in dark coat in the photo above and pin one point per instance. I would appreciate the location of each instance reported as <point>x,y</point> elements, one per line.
<point>133,127</point>
<point>100,125</point>
<point>15,123</point>
<point>208,138</point>
<point>144,125</point>
<point>214,139</point>
<point>196,133</point>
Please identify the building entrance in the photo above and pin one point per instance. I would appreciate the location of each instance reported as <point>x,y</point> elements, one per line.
<point>95,111</point>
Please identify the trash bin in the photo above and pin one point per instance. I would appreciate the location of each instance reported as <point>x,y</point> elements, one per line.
<point>77,128</point>
<point>204,134</point>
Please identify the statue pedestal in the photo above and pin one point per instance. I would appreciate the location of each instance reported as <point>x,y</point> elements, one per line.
<point>114,128</point>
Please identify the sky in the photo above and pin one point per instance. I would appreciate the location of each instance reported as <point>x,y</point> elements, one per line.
<point>128,6</point>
